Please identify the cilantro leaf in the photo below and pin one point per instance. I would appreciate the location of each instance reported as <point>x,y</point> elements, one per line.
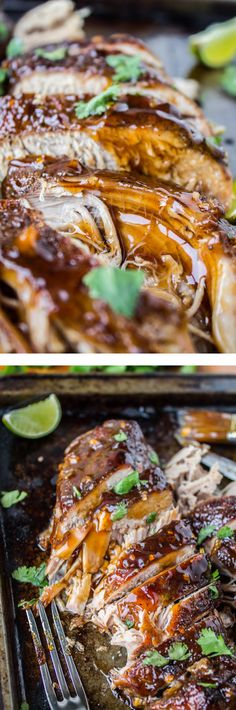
<point>213,645</point>
<point>126,484</point>
<point>205,532</point>
<point>150,518</point>
<point>129,623</point>
<point>98,104</point>
<point>208,685</point>
<point>154,458</point>
<point>76,492</point>
<point>15,48</point>
<point>178,651</point>
<point>55,55</point>
<point>4,31</point>
<point>215,575</point>
<point>154,658</point>
<point>119,512</point>
<point>25,603</point>
<point>214,141</point>
<point>121,436</point>
<point>225,531</point>
<point>119,288</point>
<point>127,68</point>
<point>214,591</point>
<point>9,498</point>
<point>228,80</point>
<point>31,575</point>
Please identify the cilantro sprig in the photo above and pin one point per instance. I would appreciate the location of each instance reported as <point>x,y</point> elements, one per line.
<point>31,575</point>
<point>120,436</point>
<point>177,652</point>
<point>98,104</point>
<point>126,484</point>
<point>209,530</point>
<point>154,458</point>
<point>119,288</point>
<point>54,55</point>
<point>119,512</point>
<point>9,498</point>
<point>213,645</point>
<point>76,492</point>
<point>127,68</point>
<point>15,48</point>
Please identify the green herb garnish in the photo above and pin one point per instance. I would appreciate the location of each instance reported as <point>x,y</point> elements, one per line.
<point>214,591</point>
<point>9,498</point>
<point>150,518</point>
<point>225,531</point>
<point>213,645</point>
<point>4,31</point>
<point>126,484</point>
<point>98,104</point>
<point>129,623</point>
<point>215,575</point>
<point>76,492</point>
<point>178,651</point>
<point>154,458</point>
<point>127,68</point>
<point>15,48</point>
<point>119,512</point>
<point>121,436</point>
<point>119,288</point>
<point>205,532</point>
<point>31,575</point>
<point>25,603</point>
<point>214,141</point>
<point>24,706</point>
<point>55,55</point>
<point>228,80</point>
<point>208,685</point>
<point>154,658</point>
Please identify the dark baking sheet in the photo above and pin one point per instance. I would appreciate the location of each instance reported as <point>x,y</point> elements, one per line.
<point>32,465</point>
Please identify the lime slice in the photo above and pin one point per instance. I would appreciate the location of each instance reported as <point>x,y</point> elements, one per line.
<point>216,45</point>
<point>35,420</point>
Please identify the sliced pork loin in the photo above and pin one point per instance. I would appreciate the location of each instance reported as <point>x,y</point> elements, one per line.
<point>84,69</point>
<point>209,685</point>
<point>172,543</point>
<point>136,222</point>
<point>88,512</point>
<point>133,133</point>
<point>51,307</point>
<point>140,682</point>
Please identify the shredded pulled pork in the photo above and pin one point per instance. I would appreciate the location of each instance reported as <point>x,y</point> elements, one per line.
<point>191,481</point>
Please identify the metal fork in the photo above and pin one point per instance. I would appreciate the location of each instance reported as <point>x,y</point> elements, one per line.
<point>78,701</point>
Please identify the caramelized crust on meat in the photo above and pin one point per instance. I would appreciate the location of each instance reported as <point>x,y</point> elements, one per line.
<point>178,238</point>
<point>144,559</point>
<point>209,685</point>
<point>84,70</point>
<point>215,511</point>
<point>135,133</point>
<point>53,306</point>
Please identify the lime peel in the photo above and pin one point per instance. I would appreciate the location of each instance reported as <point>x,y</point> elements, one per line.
<point>35,420</point>
<point>216,45</point>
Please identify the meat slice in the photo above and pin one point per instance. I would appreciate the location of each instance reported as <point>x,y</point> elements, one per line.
<point>87,500</point>
<point>210,685</point>
<point>52,306</point>
<point>144,609</point>
<point>217,512</point>
<point>179,239</point>
<point>172,543</point>
<point>139,681</point>
<point>134,133</point>
<point>83,68</point>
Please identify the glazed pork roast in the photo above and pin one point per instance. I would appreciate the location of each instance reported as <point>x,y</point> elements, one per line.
<point>140,184</point>
<point>47,307</point>
<point>179,239</point>
<point>134,132</point>
<point>121,558</point>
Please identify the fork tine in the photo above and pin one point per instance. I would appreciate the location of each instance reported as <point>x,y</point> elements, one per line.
<point>67,655</point>
<point>53,652</point>
<point>43,666</point>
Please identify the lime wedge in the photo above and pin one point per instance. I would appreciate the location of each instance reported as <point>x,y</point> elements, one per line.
<point>231,213</point>
<point>35,420</point>
<point>216,45</point>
